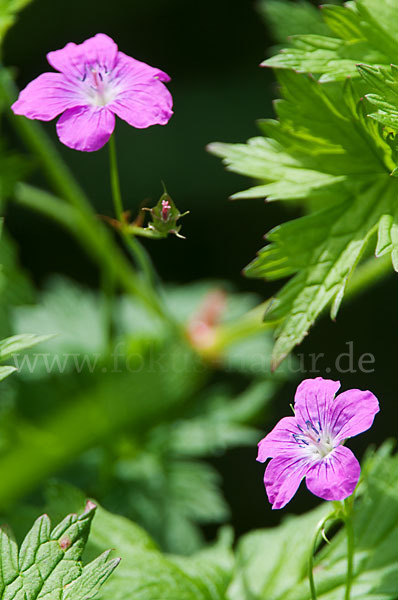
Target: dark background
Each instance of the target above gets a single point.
(211, 50)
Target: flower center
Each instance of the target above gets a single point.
(98, 85)
(314, 439)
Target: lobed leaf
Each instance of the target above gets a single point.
(146, 574)
(359, 32)
(383, 93)
(48, 565)
(323, 148)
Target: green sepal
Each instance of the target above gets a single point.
(165, 215)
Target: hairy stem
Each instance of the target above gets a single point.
(350, 555)
(137, 251)
(314, 545)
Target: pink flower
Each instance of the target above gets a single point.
(95, 82)
(310, 444)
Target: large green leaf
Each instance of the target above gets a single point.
(359, 32)
(272, 563)
(48, 565)
(146, 574)
(323, 148)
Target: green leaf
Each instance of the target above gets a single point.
(146, 574)
(91, 409)
(282, 573)
(388, 238)
(322, 249)
(15, 287)
(13, 346)
(8, 13)
(6, 371)
(288, 18)
(48, 565)
(270, 562)
(12, 168)
(383, 88)
(76, 331)
(358, 33)
(18, 343)
(323, 148)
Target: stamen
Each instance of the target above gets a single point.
(300, 440)
(310, 426)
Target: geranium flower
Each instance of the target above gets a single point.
(95, 82)
(310, 444)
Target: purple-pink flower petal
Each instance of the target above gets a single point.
(282, 478)
(310, 443)
(280, 440)
(46, 97)
(96, 82)
(313, 399)
(335, 476)
(73, 59)
(144, 105)
(353, 412)
(85, 128)
(129, 68)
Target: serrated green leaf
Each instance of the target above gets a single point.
(360, 36)
(15, 344)
(283, 574)
(323, 148)
(19, 343)
(383, 93)
(49, 564)
(323, 249)
(387, 241)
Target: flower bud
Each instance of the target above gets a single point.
(164, 216)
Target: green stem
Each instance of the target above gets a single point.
(313, 549)
(115, 181)
(137, 251)
(94, 238)
(142, 258)
(148, 233)
(35, 138)
(350, 556)
(108, 289)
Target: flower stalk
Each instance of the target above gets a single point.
(133, 246)
(350, 546)
(342, 512)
